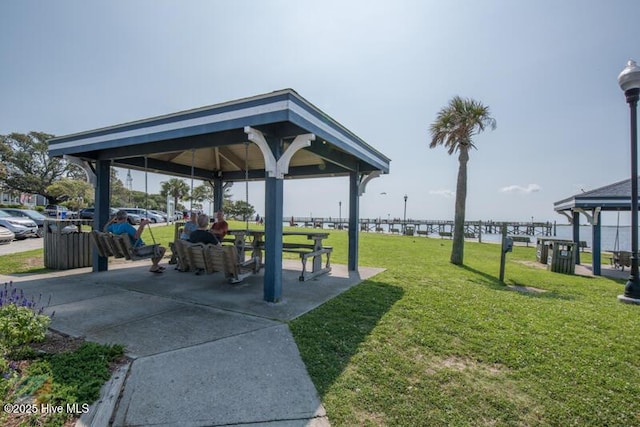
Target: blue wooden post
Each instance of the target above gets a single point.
(101, 213)
(218, 194)
(273, 240)
(595, 244)
(354, 214)
(576, 233)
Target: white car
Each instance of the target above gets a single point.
(6, 236)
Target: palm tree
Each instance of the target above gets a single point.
(176, 188)
(454, 128)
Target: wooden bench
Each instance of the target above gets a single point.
(444, 234)
(582, 245)
(119, 246)
(521, 239)
(199, 258)
(422, 232)
(395, 230)
(306, 251)
(620, 259)
(469, 235)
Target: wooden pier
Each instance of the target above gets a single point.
(472, 229)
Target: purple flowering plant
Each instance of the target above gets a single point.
(21, 319)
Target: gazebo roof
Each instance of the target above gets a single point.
(616, 196)
(212, 140)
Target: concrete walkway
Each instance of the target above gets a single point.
(21, 245)
(205, 353)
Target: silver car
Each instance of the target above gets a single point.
(21, 227)
(143, 214)
(35, 216)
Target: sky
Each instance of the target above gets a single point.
(547, 69)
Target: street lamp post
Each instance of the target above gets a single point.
(340, 214)
(404, 223)
(629, 81)
(129, 184)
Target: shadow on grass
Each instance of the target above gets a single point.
(330, 335)
(494, 283)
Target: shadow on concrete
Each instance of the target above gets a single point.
(330, 335)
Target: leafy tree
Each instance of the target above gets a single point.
(80, 193)
(28, 168)
(120, 195)
(240, 209)
(454, 127)
(176, 188)
(202, 193)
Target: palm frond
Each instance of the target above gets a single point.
(458, 122)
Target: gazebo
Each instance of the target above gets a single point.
(612, 197)
(270, 137)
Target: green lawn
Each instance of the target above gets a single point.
(429, 343)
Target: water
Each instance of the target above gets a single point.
(607, 236)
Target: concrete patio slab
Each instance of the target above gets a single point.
(253, 378)
(183, 327)
(205, 352)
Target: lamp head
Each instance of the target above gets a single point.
(629, 78)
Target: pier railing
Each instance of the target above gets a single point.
(426, 226)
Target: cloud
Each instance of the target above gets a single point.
(531, 188)
(443, 193)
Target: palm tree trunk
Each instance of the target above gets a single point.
(457, 251)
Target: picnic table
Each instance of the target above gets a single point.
(253, 240)
(244, 240)
(313, 250)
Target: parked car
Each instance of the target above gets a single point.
(163, 215)
(35, 216)
(20, 226)
(144, 214)
(59, 211)
(88, 213)
(133, 219)
(6, 236)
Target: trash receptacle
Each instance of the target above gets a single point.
(63, 215)
(542, 251)
(67, 244)
(409, 231)
(542, 248)
(561, 257)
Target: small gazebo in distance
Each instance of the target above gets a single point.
(612, 197)
(270, 137)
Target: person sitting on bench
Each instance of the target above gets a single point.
(189, 227)
(202, 234)
(220, 228)
(119, 225)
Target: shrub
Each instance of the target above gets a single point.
(21, 321)
(19, 326)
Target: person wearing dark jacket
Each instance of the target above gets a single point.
(202, 234)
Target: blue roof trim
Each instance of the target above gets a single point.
(173, 118)
(328, 120)
(180, 132)
(337, 138)
(280, 106)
